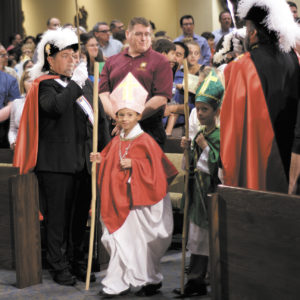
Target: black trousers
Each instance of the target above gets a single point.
(80, 212)
(198, 267)
(64, 202)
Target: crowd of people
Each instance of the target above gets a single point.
(244, 130)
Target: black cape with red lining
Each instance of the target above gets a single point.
(259, 117)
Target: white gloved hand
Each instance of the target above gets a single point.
(80, 74)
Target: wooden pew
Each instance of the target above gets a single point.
(20, 247)
(254, 245)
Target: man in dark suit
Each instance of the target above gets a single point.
(65, 117)
(262, 101)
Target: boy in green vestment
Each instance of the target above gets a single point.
(203, 179)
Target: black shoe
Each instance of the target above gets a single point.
(104, 295)
(64, 277)
(79, 271)
(192, 288)
(148, 290)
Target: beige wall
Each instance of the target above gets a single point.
(298, 4)
(201, 10)
(164, 13)
(161, 12)
(37, 12)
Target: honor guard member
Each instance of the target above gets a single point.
(55, 139)
(259, 111)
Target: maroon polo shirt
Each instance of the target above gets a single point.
(150, 68)
(153, 71)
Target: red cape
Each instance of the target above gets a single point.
(25, 154)
(151, 171)
(247, 135)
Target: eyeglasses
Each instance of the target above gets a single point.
(187, 24)
(104, 31)
(140, 34)
(4, 55)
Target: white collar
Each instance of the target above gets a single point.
(135, 131)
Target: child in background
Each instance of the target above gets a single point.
(203, 179)
(136, 210)
(194, 68)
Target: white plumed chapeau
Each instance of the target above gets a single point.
(279, 19)
(238, 34)
(61, 38)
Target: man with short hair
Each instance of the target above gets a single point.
(259, 130)
(108, 45)
(168, 49)
(4, 63)
(294, 10)
(116, 26)
(53, 23)
(226, 22)
(182, 51)
(150, 68)
(187, 26)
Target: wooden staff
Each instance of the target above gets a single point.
(186, 183)
(94, 183)
(77, 17)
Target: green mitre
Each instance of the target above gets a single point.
(211, 90)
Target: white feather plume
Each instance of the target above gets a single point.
(220, 55)
(61, 38)
(239, 35)
(279, 20)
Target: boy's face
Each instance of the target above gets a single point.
(171, 56)
(127, 119)
(194, 55)
(206, 114)
(211, 43)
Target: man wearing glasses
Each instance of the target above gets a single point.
(108, 45)
(150, 68)
(187, 26)
(4, 63)
(116, 26)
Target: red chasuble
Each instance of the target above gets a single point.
(25, 154)
(247, 138)
(149, 177)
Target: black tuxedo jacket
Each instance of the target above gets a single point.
(65, 133)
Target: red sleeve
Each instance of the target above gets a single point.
(150, 174)
(148, 185)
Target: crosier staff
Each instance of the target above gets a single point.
(186, 183)
(77, 17)
(94, 191)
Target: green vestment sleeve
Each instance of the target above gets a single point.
(201, 183)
